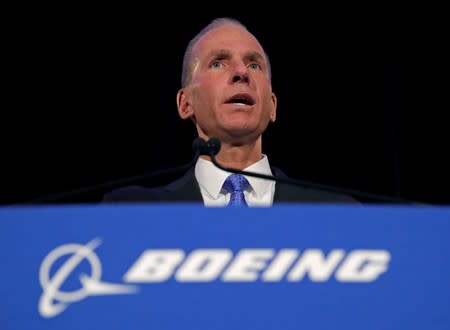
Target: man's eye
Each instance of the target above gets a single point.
(254, 66)
(216, 64)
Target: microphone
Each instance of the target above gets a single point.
(212, 148)
(199, 147)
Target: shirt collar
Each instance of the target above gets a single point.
(211, 178)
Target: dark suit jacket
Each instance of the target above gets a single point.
(186, 189)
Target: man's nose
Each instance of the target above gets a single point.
(240, 74)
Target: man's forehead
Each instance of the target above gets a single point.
(227, 38)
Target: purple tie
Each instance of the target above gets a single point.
(236, 184)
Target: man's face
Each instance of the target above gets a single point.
(230, 96)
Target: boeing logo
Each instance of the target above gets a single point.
(89, 285)
(204, 265)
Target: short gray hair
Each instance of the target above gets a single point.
(186, 73)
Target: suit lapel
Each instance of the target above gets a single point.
(185, 189)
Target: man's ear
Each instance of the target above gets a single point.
(185, 109)
(273, 112)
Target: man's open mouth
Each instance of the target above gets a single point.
(241, 98)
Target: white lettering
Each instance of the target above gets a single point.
(246, 265)
(279, 266)
(204, 265)
(363, 266)
(316, 265)
(154, 266)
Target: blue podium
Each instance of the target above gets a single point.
(180, 266)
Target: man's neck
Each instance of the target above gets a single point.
(238, 157)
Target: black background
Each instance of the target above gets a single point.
(90, 97)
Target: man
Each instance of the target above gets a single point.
(227, 93)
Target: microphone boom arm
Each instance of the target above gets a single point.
(214, 149)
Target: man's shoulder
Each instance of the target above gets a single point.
(293, 190)
(134, 193)
(183, 188)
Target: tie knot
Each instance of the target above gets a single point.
(236, 182)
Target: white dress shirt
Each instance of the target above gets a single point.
(211, 179)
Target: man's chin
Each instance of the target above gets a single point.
(239, 136)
